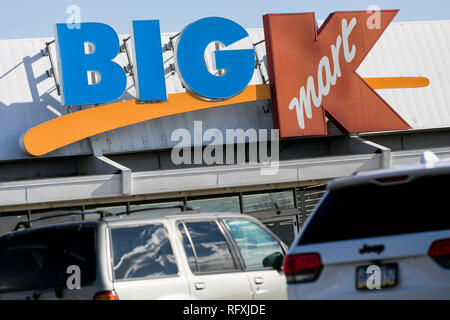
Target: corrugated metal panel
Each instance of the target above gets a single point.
(415, 49)
(406, 49)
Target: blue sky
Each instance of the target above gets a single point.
(35, 18)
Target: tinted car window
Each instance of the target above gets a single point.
(38, 259)
(142, 252)
(210, 247)
(257, 247)
(373, 210)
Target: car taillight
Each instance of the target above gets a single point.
(106, 295)
(305, 267)
(440, 252)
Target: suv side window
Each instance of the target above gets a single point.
(142, 252)
(205, 243)
(258, 248)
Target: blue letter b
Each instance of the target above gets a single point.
(74, 64)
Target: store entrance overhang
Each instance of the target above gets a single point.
(45, 192)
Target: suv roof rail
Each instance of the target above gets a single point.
(103, 214)
(179, 206)
(429, 158)
(27, 223)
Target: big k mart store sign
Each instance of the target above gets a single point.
(92, 119)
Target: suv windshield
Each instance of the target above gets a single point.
(38, 259)
(372, 210)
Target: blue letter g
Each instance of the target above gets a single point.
(239, 64)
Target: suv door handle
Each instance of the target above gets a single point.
(259, 280)
(199, 285)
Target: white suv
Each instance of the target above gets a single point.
(378, 235)
(174, 256)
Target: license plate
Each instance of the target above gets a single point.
(387, 277)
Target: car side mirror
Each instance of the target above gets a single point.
(274, 260)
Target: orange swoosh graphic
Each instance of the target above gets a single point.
(61, 131)
(73, 127)
(397, 83)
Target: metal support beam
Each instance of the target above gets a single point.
(99, 164)
(386, 153)
(124, 171)
(169, 45)
(129, 67)
(258, 63)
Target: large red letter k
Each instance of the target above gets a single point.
(312, 73)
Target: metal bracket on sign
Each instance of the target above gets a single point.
(51, 72)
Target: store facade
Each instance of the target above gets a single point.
(57, 155)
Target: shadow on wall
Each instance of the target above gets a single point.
(18, 117)
(46, 98)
